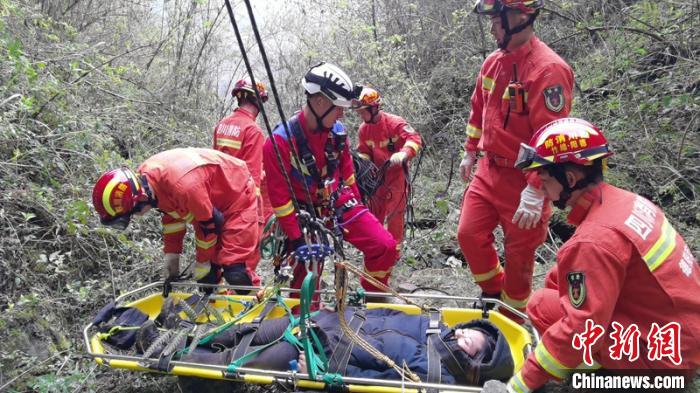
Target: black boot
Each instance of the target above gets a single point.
(236, 274)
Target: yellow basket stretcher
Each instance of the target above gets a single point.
(149, 299)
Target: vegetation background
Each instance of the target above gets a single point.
(89, 85)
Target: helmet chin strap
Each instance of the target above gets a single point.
(147, 189)
(374, 112)
(517, 29)
(558, 172)
(319, 119)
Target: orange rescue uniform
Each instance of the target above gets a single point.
(493, 196)
(240, 136)
(378, 142)
(625, 263)
(188, 184)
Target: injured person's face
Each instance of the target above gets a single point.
(471, 341)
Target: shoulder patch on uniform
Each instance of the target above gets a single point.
(554, 98)
(577, 288)
(408, 129)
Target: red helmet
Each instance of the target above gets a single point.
(244, 86)
(493, 7)
(368, 97)
(564, 140)
(116, 195)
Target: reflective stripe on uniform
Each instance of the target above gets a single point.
(517, 384)
(549, 363)
(173, 228)
(364, 156)
(412, 145)
(378, 273)
(205, 245)
(188, 218)
(488, 275)
(284, 210)
(473, 132)
(487, 83)
(515, 303)
(228, 143)
(662, 248)
(350, 180)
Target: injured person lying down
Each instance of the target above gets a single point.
(470, 353)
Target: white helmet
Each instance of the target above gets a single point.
(332, 82)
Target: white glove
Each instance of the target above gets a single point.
(530, 210)
(201, 270)
(495, 386)
(465, 167)
(398, 158)
(171, 266)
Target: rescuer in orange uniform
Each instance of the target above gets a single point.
(521, 86)
(624, 264)
(383, 138)
(240, 136)
(209, 189)
(327, 173)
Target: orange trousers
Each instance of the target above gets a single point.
(388, 204)
(490, 200)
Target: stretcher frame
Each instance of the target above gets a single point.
(149, 300)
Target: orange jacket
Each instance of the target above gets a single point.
(240, 136)
(374, 142)
(632, 267)
(280, 197)
(548, 82)
(188, 184)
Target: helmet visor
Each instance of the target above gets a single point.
(526, 156)
(119, 223)
(357, 104)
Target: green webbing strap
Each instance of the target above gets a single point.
(268, 243)
(333, 379)
(114, 330)
(307, 292)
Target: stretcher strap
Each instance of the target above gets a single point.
(244, 346)
(269, 295)
(434, 361)
(340, 355)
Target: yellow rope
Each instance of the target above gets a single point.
(341, 288)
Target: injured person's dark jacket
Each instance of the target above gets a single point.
(400, 336)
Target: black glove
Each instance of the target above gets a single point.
(236, 274)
